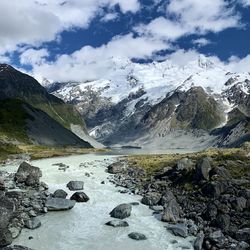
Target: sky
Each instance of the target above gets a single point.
(74, 40)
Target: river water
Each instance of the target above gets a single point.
(83, 227)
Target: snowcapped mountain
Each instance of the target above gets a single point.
(140, 103)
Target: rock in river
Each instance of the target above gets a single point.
(117, 223)
(122, 211)
(58, 204)
(79, 197)
(32, 223)
(75, 185)
(137, 236)
(151, 198)
(59, 193)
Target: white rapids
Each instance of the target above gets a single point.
(83, 227)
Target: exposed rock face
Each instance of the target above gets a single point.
(59, 204)
(122, 211)
(137, 236)
(28, 174)
(79, 197)
(75, 185)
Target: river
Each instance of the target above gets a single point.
(83, 227)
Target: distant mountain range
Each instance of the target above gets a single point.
(30, 115)
(162, 104)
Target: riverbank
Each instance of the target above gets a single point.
(9, 152)
(203, 194)
(76, 228)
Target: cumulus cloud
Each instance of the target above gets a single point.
(36, 21)
(200, 42)
(33, 57)
(245, 3)
(91, 63)
(109, 17)
(192, 17)
(237, 64)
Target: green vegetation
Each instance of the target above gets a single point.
(8, 149)
(12, 120)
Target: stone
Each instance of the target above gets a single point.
(222, 221)
(220, 172)
(166, 198)
(5, 237)
(7, 208)
(211, 212)
(239, 204)
(151, 199)
(184, 164)
(117, 223)
(28, 174)
(60, 193)
(16, 247)
(243, 235)
(59, 204)
(179, 230)
(157, 208)
(79, 197)
(202, 170)
(171, 212)
(75, 185)
(216, 236)
(115, 168)
(137, 236)
(214, 189)
(135, 203)
(2, 184)
(122, 211)
(32, 223)
(199, 241)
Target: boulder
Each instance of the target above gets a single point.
(211, 212)
(28, 174)
(79, 197)
(116, 168)
(202, 170)
(222, 221)
(243, 235)
(137, 236)
(7, 208)
(59, 204)
(60, 193)
(5, 237)
(184, 164)
(122, 211)
(166, 198)
(199, 241)
(171, 212)
(151, 199)
(117, 223)
(220, 172)
(2, 184)
(32, 223)
(75, 185)
(239, 204)
(179, 230)
(215, 188)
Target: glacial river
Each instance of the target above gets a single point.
(83, 227)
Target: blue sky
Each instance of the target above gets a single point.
(53, 38)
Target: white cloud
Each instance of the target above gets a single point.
(33, 57)
(239, 65)
(200, 42)
(109, 17)
(245, 2)
(36, 21)
(192, 17)
(91, 63)
(4, 59)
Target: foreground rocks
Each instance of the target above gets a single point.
(75, 185)
(196, 197)
(22, 198)
(137, 236)
(79, 197)
(117, 223)
(122, 211)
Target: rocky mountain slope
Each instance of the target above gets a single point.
(163, 104)
(29, 114)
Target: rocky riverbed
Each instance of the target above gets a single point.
(204, 197)
(97, 216)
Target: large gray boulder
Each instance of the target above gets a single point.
(7, 208)
(59, 204)
(28, 174)
(116, 168)
(75, 185)
(59, 193)
(203, 168)
(32, 223)
(151, 199)
(79, 197)
(179, 230)
(184, 164)
(199, 241)
(122, 211)
(5, 237)
(137, 236)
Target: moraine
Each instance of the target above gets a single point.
(84, 227)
